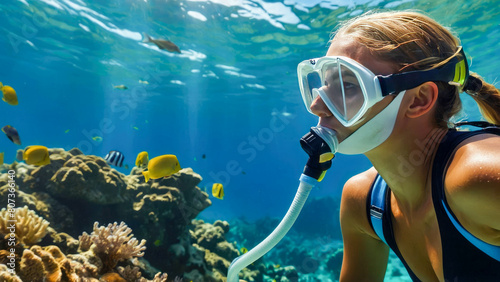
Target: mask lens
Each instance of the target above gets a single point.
(313, 81)
(342, 88)
(352, 93)
(338, 84)
(333, 89)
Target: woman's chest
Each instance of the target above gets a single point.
(419, 242)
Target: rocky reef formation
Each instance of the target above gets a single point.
(75, 191)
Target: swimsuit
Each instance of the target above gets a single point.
(465, 257)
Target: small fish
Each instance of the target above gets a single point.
(36, 155)
(142, 159)
(161, 166)
(203, 156)
(157, 243)
(122, 87)
(1, 158)
(67, 130)
(135, 127)
(243, 250)
(97, 138)
(218, 191)
(162, 44)
(143, 81)
(12, 134)
(115, 158)
(9, 95)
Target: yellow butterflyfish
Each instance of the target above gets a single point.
(36, 155)
(9, 95)
(142, 159)
(218, 191)
(1, 158)
(161, 166)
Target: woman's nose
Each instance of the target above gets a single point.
(319, 108)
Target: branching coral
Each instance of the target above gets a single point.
(114, 243)
(26, 224)
(130, 273)
(85, 242)
(160, 277)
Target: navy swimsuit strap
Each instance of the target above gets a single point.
(447, 149)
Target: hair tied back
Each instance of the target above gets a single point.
(473, 85)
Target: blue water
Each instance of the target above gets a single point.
(231, 95)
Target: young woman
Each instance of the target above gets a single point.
(387, 87)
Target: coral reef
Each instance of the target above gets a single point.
(75, 176)
(161, 213)
(172, 202)
(109, 245)
(28, 227)
(210, 240)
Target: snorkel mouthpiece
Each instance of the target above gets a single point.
(320, 143)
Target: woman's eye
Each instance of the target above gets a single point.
(349, 86)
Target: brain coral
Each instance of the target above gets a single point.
(73, 175)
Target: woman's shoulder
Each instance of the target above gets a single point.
(353, 210)
(359, 185)
(476, 162)
(472, 186)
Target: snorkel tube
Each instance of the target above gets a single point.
(320, 143)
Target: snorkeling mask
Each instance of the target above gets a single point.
(349, 89)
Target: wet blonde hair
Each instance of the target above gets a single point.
(413, 41)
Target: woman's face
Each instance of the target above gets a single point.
(345, 46)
